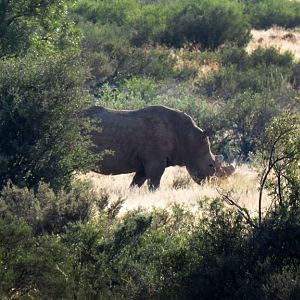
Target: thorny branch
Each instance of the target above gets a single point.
(243, 211)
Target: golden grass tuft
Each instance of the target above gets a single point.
(278, 37)
(177, 187)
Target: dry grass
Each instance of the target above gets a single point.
(280, 38)
(177, 187)
(187, 58)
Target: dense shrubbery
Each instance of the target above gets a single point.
(40, 139)
(160, 254)
(206, 23)
(267, 13)
(39, 25)
(175, 23)
(251, 89)
(264, 69)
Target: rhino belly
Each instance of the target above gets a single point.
(115, 164)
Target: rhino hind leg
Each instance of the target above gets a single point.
(138, 179)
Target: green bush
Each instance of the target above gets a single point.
(106, 50)
(271, 56)
(207, 23)
(296, 76)
(163, 254)
(267, 13)
(69, 243)
(49, 212)
(148, 25)
(40, 133)
(248, 115)
(42, 26)
(106, 11)
(262, 70)
(31, 267)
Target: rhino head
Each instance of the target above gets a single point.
(203, 163)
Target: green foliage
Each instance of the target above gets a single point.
(106, 50)
(245, 117)
(252, 113)
(207, 23)
(59, 243)
(111, 57)
(30, 267)
(42, 25)
(262, 70)
(251, 89)
(107, 11)
(40, 134)
(267, 13)
(148, 25)
(163, 254)
(49, 212)
(281, 153)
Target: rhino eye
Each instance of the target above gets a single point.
(211, 165)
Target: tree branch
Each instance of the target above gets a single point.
(243, 211)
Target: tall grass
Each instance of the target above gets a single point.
(177, 187)
(278, 37)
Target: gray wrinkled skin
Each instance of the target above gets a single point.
(148, 140)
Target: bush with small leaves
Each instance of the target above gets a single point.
(40, 134)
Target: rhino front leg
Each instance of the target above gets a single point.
(154, 171)
(138, 179)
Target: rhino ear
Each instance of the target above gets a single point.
(219, 159)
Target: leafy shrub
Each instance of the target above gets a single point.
(106, 49)
(207, 23)
(256, 87)
(283, 284)
(162, 254)
(111, 57)
(263, 69)
(148, 25)
(31, 267)
(47, 212)
(44, 26)
(252, 113)
(237, 56)
(267, 13)
(158, 64)
(40, 134)
(107, 12)
(296, 76)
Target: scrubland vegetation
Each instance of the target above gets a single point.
(62, 237)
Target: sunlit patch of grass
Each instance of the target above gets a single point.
(280, 38)
(177, 187)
